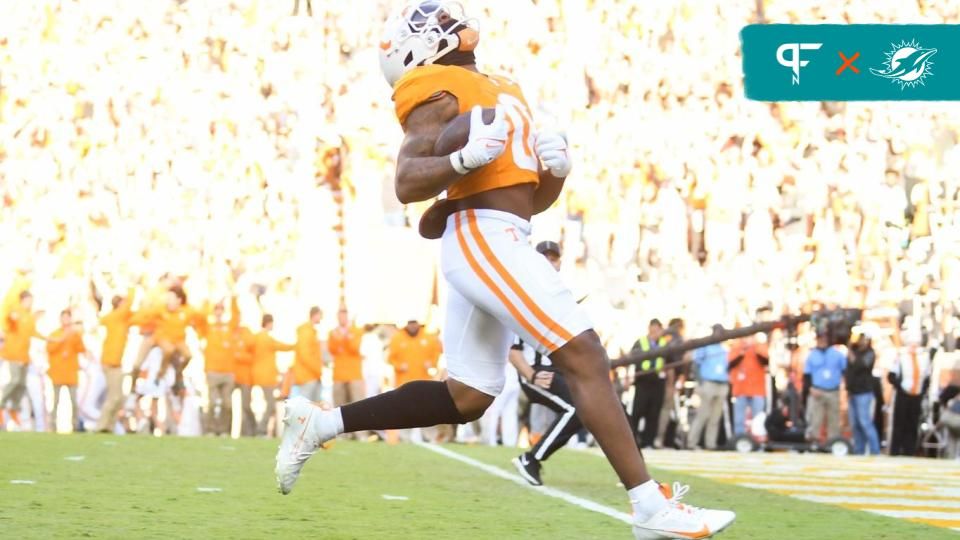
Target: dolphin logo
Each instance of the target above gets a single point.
(907, 64)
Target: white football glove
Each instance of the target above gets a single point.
(485, 143)
(552, 150)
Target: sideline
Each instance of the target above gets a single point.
(543, 490)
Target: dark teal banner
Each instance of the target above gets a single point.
(855, 62)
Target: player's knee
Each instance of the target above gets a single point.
(473, 406)
(470, 402)
(583, 356)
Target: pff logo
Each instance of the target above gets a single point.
(907, 64)
(794, 62)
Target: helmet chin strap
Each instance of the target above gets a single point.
(457, 58)
(463, 55)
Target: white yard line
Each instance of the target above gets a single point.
(871, 501)
(908, 514)
(810, 479)
(543, 490)
(803, 470)
(853, 464)
(855, 490)
(920, 490)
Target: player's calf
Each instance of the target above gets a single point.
(416, 404)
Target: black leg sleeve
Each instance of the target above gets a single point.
(415, 404)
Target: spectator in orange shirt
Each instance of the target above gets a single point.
(308, 362)
(19, 327)
(154, 299)
(242, 343)
(117, 323)
(344, 346)
(170, 323)
(265, 374)
(413, 353)
(218, 363)
(63, 350)
(748, 380)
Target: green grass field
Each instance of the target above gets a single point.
(138, 487)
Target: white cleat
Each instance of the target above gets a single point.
(299, 441)
(680, 520)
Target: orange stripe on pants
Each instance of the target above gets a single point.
(485, 278)
(514, 286)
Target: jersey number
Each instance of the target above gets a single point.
(522, 138)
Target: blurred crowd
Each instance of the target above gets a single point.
(133, 370)
(860, 386)
(187, 139)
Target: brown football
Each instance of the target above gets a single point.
(455, 135)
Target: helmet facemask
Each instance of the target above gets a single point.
(431, 32)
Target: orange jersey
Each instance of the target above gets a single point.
(117, 324)
(265, 358)
(307, 362)
(413, 356)
(170, 326)
(242, 346)
(19, 326)
(217, 357)
(345, 350)
(64, 350)
(217, 336)
(154, 299)
(518, 164)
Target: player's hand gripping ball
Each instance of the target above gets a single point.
(474, 139)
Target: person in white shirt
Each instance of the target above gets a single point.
(371, 349)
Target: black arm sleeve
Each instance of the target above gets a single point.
(736, 361)
(764, 359)
(807, 383)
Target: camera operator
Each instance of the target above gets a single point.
(822, 373)
(910, 378)
(859, 381)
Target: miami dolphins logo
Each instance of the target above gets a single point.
(907, 64)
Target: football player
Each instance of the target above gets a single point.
(499, 286)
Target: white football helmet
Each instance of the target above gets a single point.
(422, 33)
